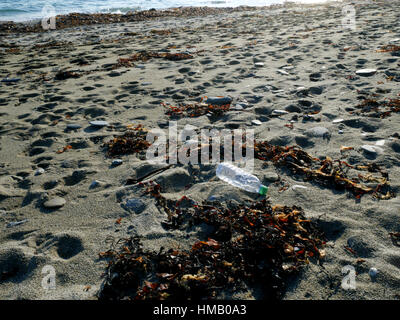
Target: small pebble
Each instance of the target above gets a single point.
(282, 72)
(117, 162)
(373, 272)
(256, 122)
(94, 184)
(279, 112)
(337, 120)
(366, 72)
(39, 171)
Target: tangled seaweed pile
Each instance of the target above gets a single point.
(389, 48)
(196, 110)
(132, 141)
(379, 108)
(326, 172)
(147, 55)
(251, 246)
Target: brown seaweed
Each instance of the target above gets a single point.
(253, 245)
(132, 141)
(326, 172)
(195, 110)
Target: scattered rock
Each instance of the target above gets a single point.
(320, 132)
(95, 184)
(136, 205)
(372, 150)
(256, 122)
(373, 272)
(54, 203)
(218, 101)
(39, 171)
(117, 162)
(270, 177)
(282, 72)
(279, 112)
(99, 123)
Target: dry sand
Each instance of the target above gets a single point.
(308, 44)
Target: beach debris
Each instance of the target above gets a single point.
(68, 147)
(366, 72)
(132, 181)
(54, 203)
(254, 244)
(240, 178)
(345, 148)
(327, 172)
(132, 141)
(16, 223)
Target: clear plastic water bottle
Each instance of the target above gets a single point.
(240, 178)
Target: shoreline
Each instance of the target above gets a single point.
(75, 19)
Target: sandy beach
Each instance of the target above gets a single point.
(293, 75)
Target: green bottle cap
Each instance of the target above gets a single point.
(263, 190)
